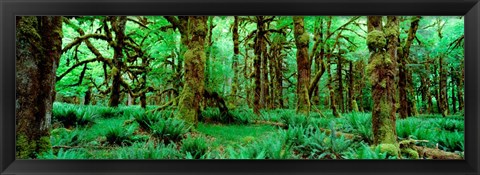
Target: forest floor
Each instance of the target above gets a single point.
(127, 132)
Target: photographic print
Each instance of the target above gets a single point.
(240, 87)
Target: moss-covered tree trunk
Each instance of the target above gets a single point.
(277, 60)
(411, 94)
(328, 59)
(236, 53)
(459, 83)
(350, 86)
(38, 50)
(265, 80)
(360, 83)
(443, 88)
(404, 82)
(452, 85)
(341, 100)
(303, 65)
(381, 70)
(193, 89)
(246, 75)
(118, 26)
(257, 62)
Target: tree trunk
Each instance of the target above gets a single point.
(459, 82)
(443, 88)
(246, 73)
(38, 50)
(340, 85)
(452, 84)
(236, 52)
(88, 96)
(257, 62)
(264, 77)
(278, 61)
(411, 94)
(360, 70)
(403, 72)
(193, 89)
(118, 25)
(382, 75)
(303, 66)
(350, 86)
(333, 105)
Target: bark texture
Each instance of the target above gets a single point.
(193, 89)
(303, 66)
(382, 73)
(38, 49)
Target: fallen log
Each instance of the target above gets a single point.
(434, 153)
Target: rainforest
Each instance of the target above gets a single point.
(240, 87)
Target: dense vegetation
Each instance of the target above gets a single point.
(245, 87)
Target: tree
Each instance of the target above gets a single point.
(38, 49)
(118, 26)
(193, 89)
(381, 68)
(236, 52)
(303, 65)
(404, 73)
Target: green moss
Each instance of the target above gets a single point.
(114, 71)
(44, 144)
(399, 51)
(24, 147)
(386, 129)
(376, 61)
(26, 27)
(390, 149)
(392, 32)
(354, 105)
(387, 59)
(411, 153)
(304, 38)
(383, 83)
(376, 39)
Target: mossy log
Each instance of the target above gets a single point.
(433, 153)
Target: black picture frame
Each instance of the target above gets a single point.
(11, 8)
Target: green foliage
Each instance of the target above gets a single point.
(366, 152)
(362, 124)
(195, 146)
(149, 151)
(243, 116)
(272, 147)
(170, 129)
(119, 135)
(451, 141)
(231, 134)
(318, 145)
(85, 117)
(66, 137)
(289, 118)
(145, 119)
(450, 124)
(69, 115)
(108, 112)
(65, 154)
